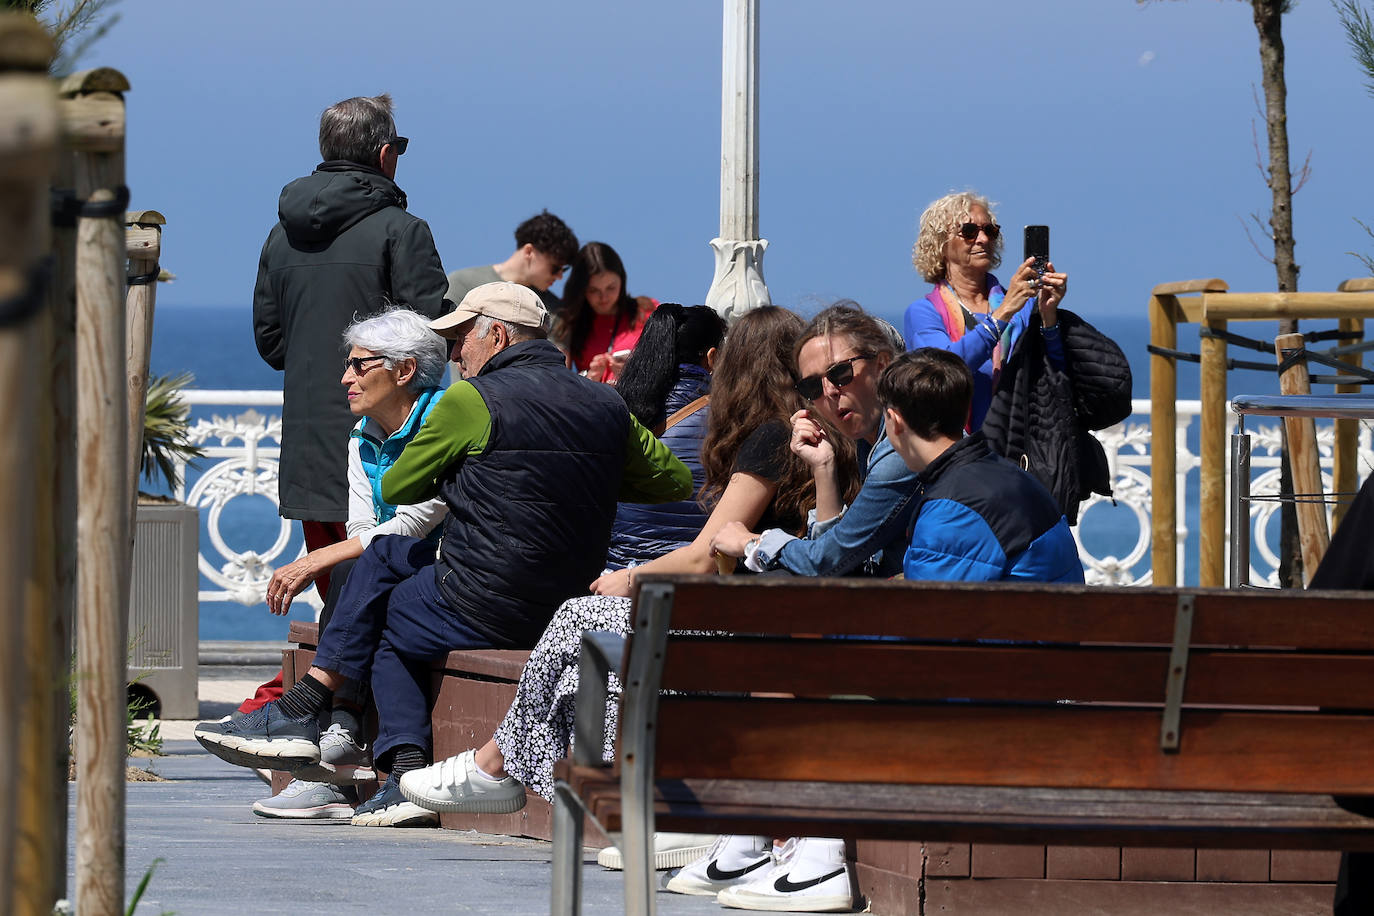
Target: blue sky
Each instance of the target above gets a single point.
(1127, 128)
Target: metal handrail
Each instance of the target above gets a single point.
(1317, 406)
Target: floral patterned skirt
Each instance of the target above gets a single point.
(538, 728)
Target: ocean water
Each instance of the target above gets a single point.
(215, 344)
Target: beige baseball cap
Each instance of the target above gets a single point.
(503, 301)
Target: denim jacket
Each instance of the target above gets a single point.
(869, 537)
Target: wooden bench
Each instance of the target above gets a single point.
(1136, 717)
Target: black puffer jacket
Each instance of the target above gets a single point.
(343, 245)
(1040, 416)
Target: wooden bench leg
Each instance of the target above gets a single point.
(567, 854)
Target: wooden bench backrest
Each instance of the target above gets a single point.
(1013, 685)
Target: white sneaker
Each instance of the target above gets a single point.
(456, 785)
(811, 877)
(305, 800)
(343, 760)
(671, 850)
(730, 860)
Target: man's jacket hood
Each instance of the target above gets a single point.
(336, 195)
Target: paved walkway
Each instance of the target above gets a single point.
(218, 857)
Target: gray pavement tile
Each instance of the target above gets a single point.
(219, 858)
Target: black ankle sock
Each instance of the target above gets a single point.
(349, 719)
(305, 699)
(407, 757)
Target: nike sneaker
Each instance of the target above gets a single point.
(730, 860)
(811, 877)
(671, 850)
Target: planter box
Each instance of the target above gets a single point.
(164, 607)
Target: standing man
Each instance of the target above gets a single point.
(531, 460)
(343, 248)
(544, 247)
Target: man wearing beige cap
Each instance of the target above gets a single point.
(531, 459)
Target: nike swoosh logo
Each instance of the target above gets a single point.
(783, 886)
(715, 874)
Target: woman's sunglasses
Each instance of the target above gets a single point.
(970, 231)
(359, 364)
(839, 375)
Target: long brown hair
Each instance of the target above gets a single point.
(753, 384)
(573, 324)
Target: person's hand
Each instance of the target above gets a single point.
(1023, 287)
(809, 442)
(617, 362)
(731, 540)
(596, 369)
(288, 582)
(615, 583)
(1053, 288)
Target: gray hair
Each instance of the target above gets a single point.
(356, 129)
(399, 333)
(514, 331)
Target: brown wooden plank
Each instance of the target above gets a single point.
(1027, 897)
(1249, 865)
(304, 633)
(1000, 860)
(1145, 864)
(1111, 674)
(1052, 613)
(886, 891)
(1096, 863)
(502, 664)
(1068, 746)
(950, 860)
(1102, 817)
(1303, 865)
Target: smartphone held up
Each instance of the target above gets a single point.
(1038, 247)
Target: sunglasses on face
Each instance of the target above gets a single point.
(970, 231)
(359, 364)
(839, 375)
(399, 144)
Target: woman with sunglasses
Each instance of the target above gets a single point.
(969, 312)
(392, 378)
(600, 322)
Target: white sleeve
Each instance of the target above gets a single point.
(361, 516)
(411, 521)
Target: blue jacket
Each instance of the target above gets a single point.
(379, 454)
(643, 532)
(983, 519)
(868, 538)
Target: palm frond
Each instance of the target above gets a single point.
(166, 421)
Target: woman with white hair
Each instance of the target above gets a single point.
(393, 372)
(969, 312)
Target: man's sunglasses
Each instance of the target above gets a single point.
(839, 375)
(399, 144)
(359, 364)
(970, 231)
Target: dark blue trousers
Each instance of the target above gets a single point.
(390, 622)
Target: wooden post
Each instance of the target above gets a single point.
(1212, 451)
(1345, 455)
(1303, 457)
(1163, 442)
(29, 136)
(94, 112)
(143, 243)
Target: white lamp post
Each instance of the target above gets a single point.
(738, 283)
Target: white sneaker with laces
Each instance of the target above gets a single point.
(811, 877)
(730, 860)
(456, 785)
(343, 760)
(671, 850)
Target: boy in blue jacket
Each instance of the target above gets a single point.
(980, 518)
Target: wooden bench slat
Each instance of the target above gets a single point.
(1030, 673)
(931, 610)
(1062, 746)
(983, 814)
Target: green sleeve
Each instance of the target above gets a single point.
(653, 474)
(458, 426)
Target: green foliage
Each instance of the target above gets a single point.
(166, 421)
(145, 736)
(143, 886)
(1359, 34)
(74, 25)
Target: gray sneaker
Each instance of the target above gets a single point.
(343, 761)
(305, 800)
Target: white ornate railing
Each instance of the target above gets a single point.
(242, 450)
